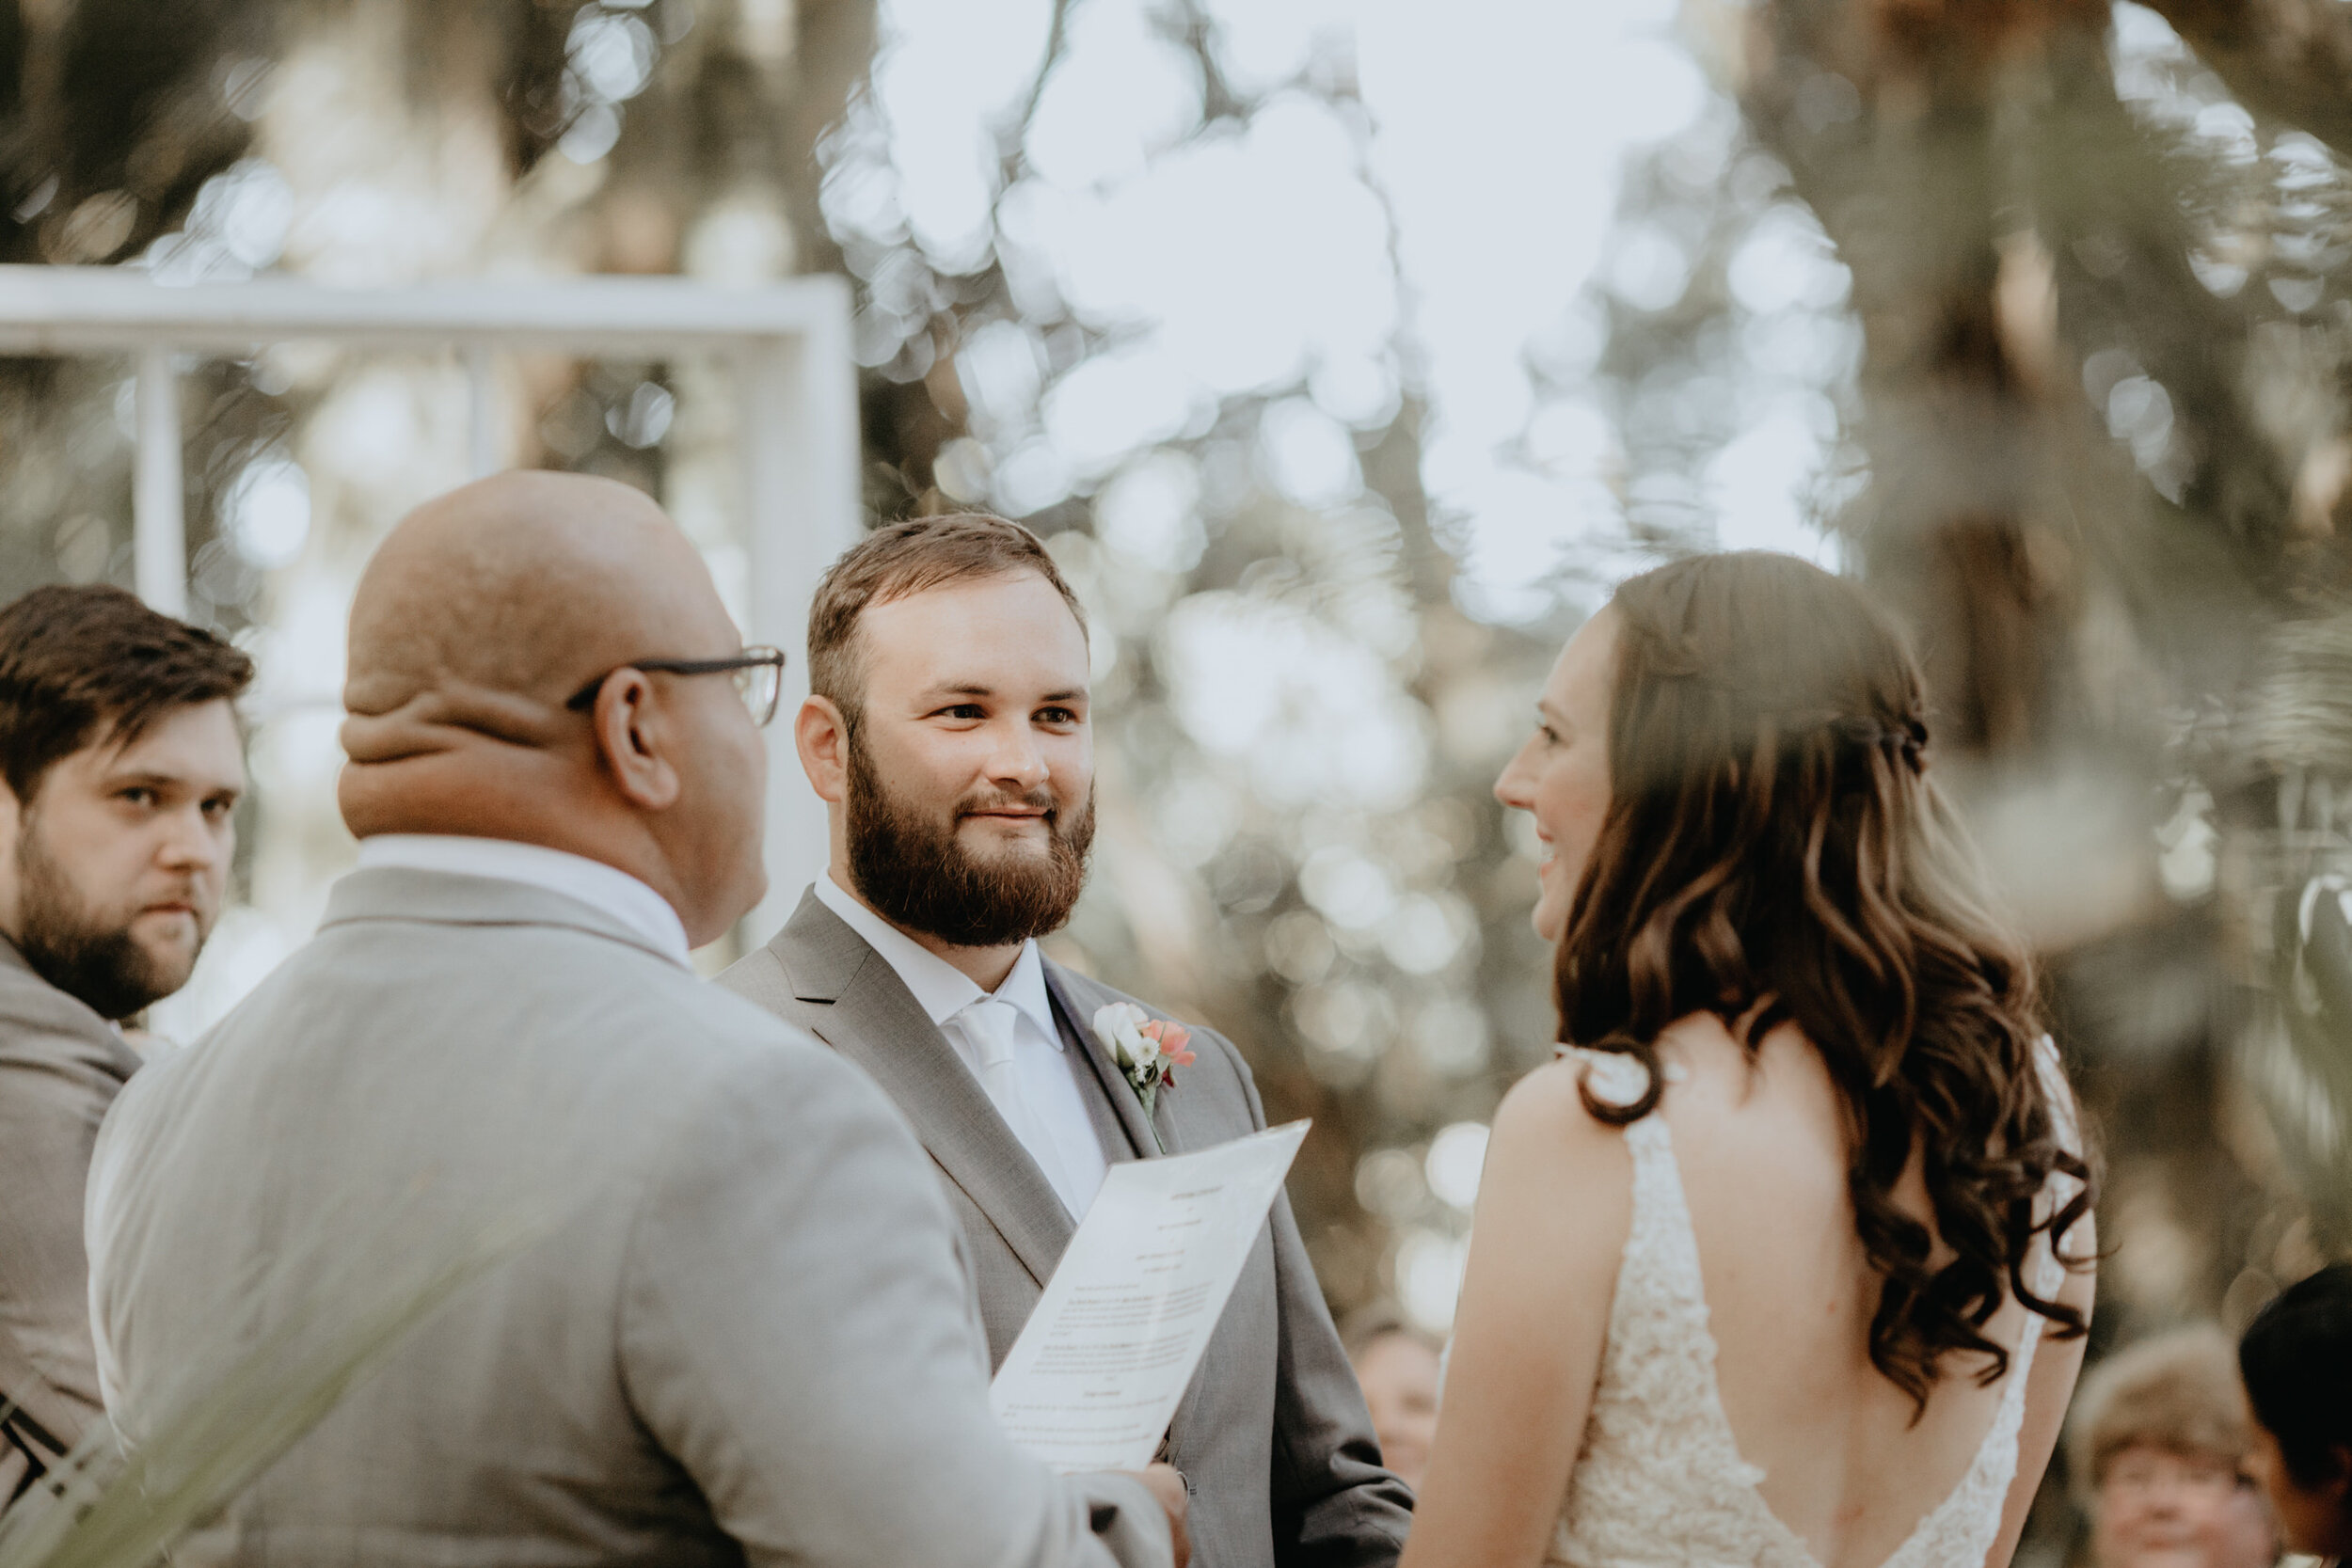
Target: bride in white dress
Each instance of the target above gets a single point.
(1787, 1262)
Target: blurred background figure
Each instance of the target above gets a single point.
(122, 765)
(1398, 1366)
(2296, 1360)
(2161, 1433)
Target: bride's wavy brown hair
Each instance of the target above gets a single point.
(1775, 852)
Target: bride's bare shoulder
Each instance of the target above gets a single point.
(1556, 1192)
(1546, 1111)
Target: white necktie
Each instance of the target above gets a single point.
(989, 1025)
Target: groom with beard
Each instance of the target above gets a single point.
(947, 731)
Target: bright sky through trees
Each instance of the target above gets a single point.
(1238, 261)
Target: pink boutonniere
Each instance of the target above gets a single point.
(1148, 1050)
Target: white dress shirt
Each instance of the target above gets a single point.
(1038, 1094)
(607, 889)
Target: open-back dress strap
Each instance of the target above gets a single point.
(1660, 1478)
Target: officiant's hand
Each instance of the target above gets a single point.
(1167, 1485)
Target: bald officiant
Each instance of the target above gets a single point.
(742, 1336)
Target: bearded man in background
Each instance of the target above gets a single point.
(123, 764)
(948, 733)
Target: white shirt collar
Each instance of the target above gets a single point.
(942, 990)
(606, 889)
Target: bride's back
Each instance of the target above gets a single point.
(1735, 1302)
(1850, 1463)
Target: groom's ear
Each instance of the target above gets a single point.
(822, 736)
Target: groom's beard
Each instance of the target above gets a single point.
(917, 874)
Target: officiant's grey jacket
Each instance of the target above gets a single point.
(742, 1337)
(1272, 1436)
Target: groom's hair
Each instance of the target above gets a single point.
(904, 558)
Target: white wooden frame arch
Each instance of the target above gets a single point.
(797, 420)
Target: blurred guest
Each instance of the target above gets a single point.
(742, 1336)
(2296, 1361)
(2162, 1438)
(1397, 1367)
(122, 764)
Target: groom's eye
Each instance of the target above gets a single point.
(1056, 716)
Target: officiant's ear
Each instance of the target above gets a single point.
(637, 738)
(822, 734)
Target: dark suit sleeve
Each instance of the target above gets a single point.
(1334, 1506)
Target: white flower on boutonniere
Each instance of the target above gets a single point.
(1148, 1050)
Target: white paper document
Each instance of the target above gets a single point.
(1103, 1361)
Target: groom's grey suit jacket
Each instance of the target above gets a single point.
(1272, 1436)
(744, 1339)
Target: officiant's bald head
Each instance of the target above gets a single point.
(474, 626)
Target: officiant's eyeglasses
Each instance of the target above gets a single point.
(758, 678)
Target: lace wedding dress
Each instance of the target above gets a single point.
(1659, 1478)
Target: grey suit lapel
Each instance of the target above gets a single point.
(874, 1019)
(1078, 998)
